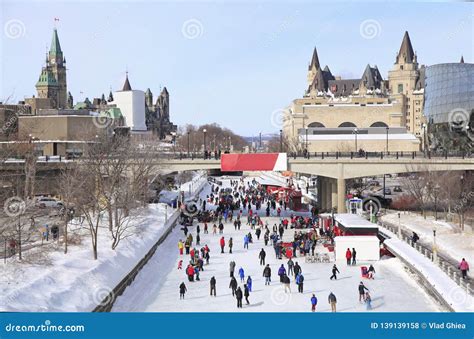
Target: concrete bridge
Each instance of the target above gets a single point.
(333, 170)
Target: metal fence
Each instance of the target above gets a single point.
(448, 265)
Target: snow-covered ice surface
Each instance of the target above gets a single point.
(156, 286)
(449, 240)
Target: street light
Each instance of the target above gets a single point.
(435, 248)
(423, 144)
(281, 141)
(436, 190)
(189, 132)
(399, 227)
(306, 130)
(387, 128)
(204, 131)
(173, 140)
(355, 133)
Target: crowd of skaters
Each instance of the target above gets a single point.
(250, 197)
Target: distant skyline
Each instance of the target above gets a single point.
(229, 63)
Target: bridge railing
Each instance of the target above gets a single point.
(333, 155)
(380, 155)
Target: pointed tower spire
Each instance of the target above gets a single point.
(314, 60)
(462, 59)
(55, 48)
(126, 85)
(406, 54)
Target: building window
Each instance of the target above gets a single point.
(400, 88)
(401, 66)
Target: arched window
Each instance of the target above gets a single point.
(379, 124)
(347, 124)
(316, 124)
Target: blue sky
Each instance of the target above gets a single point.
(244, 61)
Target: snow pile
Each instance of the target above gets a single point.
(448, 239)
(454, 295)
(74, 281)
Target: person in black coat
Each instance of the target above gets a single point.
(334, 271)
(182, 290)
(261, 256)
(297, 269)
(213, 286)
(267, 273)
(354, 256)
(233, 285)
(238, 296)
(362, 290)
(246, 293)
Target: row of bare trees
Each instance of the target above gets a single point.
(110, 181)
(450, 192)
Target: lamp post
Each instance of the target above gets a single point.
(306, 130)
(386, 129)
(435, 248)
(399, 227)
(423, 144)
(189, 132)
(204, 131)
(281, 141)
(173, 140)
(355, 134)
(436, 190)
(461, 221)
(260, 141)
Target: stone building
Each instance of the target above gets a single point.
(52, 84)
(384, 113)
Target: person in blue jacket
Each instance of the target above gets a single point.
(246, 241)
(299, 282)
(249, 283)
(241, 274)
(281, 272)
(314, 302)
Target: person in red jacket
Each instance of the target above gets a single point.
(190, 272)
(348, 256)
(222, 244)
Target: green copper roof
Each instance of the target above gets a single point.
(46, 78)
(112, 112)
(55, 48)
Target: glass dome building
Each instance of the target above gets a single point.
(449, 105)
(448, 87)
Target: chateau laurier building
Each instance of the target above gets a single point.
(367, 113)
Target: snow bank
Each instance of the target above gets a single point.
(74, 281)
(453, 294)
(448, 239)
